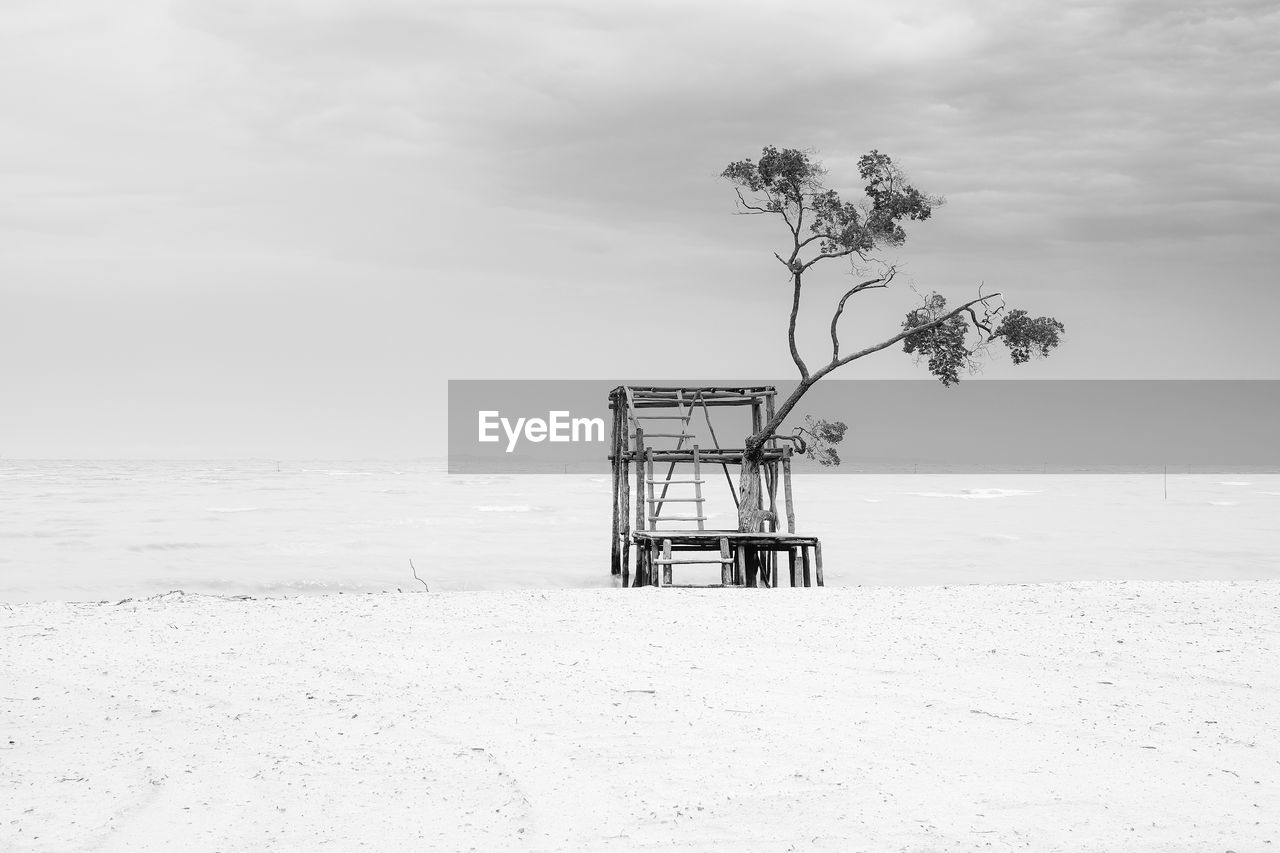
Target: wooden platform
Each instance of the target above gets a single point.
(746, 559)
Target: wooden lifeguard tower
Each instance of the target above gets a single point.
(659, 438)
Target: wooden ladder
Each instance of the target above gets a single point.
(655, 502)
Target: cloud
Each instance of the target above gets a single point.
(1078, 120)
(499, 169)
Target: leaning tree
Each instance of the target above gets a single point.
(823, 227)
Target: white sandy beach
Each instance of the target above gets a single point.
(1080, 716)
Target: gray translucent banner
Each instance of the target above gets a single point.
(1082, 426)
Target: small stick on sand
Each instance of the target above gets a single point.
(418, 579)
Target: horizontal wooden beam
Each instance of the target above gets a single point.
(701, 389)
(725, 457)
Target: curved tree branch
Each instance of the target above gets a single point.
(808, 380)
(882, 281)
(749, 209)
(818, 236)
(824, 255)
(923, 327)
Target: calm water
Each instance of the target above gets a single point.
(109, 529)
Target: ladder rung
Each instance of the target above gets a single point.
(663, 417)
(673, 561)
(668, 435)
(677, 480)
(677, 518)
(674, 500)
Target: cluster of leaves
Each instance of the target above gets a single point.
(791, 183)
(820, 438)
(943, 345)
(1027, 336)
(946, 346)
(783, 177)
(892, 199)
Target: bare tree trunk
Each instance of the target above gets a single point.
(750, 518)
(749, 495)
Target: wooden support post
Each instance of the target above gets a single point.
(638, 579)
(740, 566)
(615, 554)
(655, 577)
(817, 561)
(640, 508)
(726, 567)
(804, 563)
(793, 562)
(624, 507)
(757, 423)
(753, 564)
(771, 468)
(648, 478)
(786, 490)
(768, 494)
(666, 566)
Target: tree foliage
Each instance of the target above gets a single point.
(944, 345)
(818, 439)
(1027, 337)
(948, 347)
(791, 184)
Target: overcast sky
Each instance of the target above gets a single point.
(275, 228)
